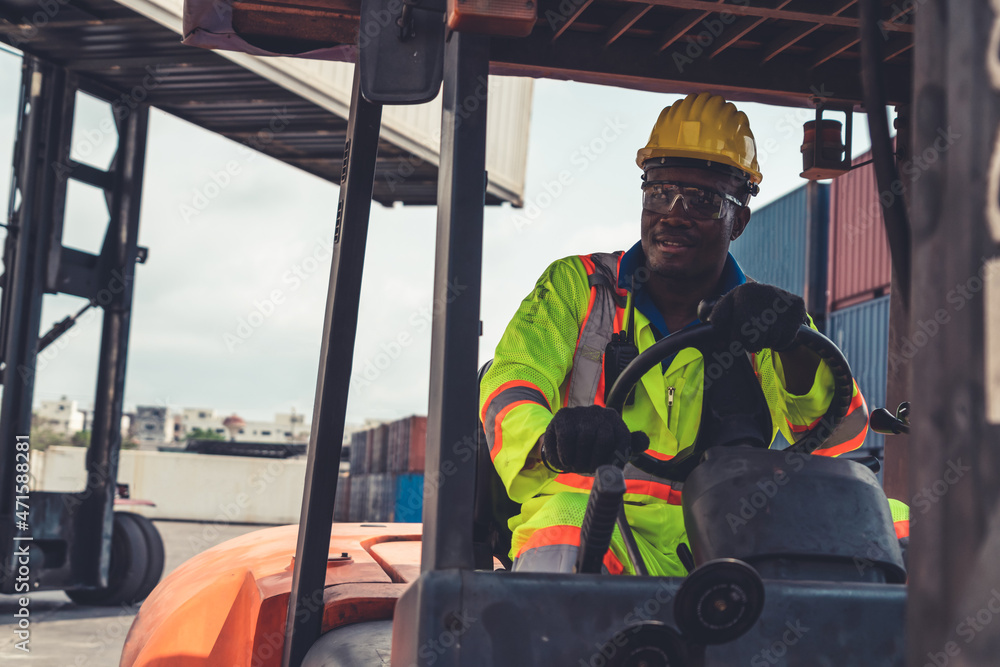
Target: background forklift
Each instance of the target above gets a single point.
(457, 614)
(78, 542)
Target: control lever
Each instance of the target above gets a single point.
(599, 520)
(685, 556)
(882, 421)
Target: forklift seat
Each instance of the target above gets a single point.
(491, 536)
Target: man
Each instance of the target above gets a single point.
(542, 399)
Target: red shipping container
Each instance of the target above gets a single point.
(859, 265)
(417, 444)
(380, 449)
(342, 502)
(369, 446)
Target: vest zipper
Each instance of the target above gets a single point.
(670, 403)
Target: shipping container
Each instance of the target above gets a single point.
(342, 504)
(381, 497)
(358, 506)
(379, 456)
(369, 446)
(785, 245)
(416, 444)
(392, 460)
(862, 334)
(359, 448)
(380, 445)
(859, 264)
(416, 129)
(409, 498)
(407, 444)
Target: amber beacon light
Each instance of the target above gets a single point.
(514, 18)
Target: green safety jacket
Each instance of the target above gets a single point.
(554, 344)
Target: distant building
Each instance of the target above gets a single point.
(294, 424)
(153, 424)
(286, 427)
(62, 416)
(205, 419)
(273, 432)
(127, 423)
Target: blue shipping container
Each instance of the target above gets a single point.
(785, 244)
(357, 507)
(862, 334)
(381, 488)
(409, 498)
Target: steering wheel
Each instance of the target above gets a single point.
(703, 337)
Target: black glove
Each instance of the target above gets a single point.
(759, 316)
(581, 439)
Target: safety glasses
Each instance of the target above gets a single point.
(662, 196)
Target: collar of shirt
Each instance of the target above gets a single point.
(732, 276)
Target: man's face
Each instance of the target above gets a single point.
(679, 245)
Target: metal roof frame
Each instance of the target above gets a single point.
(785, 52)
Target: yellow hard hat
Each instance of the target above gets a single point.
(703, 127)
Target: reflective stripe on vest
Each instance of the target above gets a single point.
(587, 372)
(586, 382)
(554, 549)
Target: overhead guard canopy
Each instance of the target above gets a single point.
(784, 52)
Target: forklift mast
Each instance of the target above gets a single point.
(70, 532)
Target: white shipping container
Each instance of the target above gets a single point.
(414, 128)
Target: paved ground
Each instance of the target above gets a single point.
(64, 634)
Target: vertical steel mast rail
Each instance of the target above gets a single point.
(42, 93)
(454, 389)
(954, 565)
(120, 253)
(303, 625)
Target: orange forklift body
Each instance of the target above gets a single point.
(227, 605)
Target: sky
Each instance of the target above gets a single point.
(228, 309)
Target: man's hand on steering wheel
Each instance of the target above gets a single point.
(707, 337)
(759, 316)
(583, 438)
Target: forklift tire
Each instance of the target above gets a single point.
(127, 571)
(155, 552)
(367, 643)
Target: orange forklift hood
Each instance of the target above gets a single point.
(227, 605)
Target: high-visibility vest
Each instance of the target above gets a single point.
(512, 399)
(606, 315)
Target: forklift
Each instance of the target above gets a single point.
(825, 588)
(71, 541)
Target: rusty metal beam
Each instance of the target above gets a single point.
(579, 56)
(895, 47)
(793, 35)
(580, 8)
(740, 28)
(626, 21)
(772, 13)
(836, 47)
(734, 33)
(679, 28)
